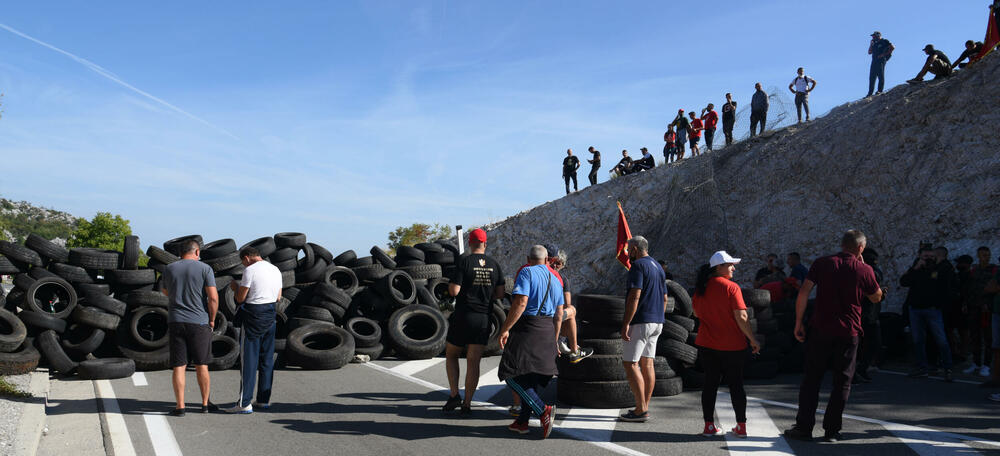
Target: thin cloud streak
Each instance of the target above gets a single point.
(111, 76)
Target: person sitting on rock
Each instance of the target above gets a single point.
(937, 63)
(624, 165)
(644, 163)
(972, 49)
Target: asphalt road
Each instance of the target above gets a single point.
(393, 407)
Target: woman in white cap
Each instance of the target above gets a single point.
(722, 338)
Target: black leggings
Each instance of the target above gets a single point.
(718, 364)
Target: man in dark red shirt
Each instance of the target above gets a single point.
(842, 283)
(711, 119)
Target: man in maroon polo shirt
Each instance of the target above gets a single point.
(842, 282)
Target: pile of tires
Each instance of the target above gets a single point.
(775, 346)
(599, 381)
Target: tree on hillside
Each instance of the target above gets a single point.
(417, 233)
(104, 231)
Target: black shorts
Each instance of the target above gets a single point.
(468, 328)
(190, 344)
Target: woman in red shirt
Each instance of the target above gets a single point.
(722, 338)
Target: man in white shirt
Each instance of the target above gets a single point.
(257, 293)
(801, 86)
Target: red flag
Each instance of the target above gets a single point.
(992, 37)
(624, 234)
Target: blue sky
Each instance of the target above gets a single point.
(346, 119)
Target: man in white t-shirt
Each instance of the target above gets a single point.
(257, 293)
(801, 86)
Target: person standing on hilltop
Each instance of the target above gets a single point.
(595, 163)
(758, 110)
(881, 50)
(800, 86)
(570, 165)
(728, 118)
(711, 119)
(696, 127)
(681, 124)
(670, 144)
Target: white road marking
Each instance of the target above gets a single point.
(923, 441)
(139, 379)
(489, 386)
(591, 425)
(121, 441)
(581, 434)
(412, 367)
(164, 443)
(763, 436)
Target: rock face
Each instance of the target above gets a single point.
(918, 163)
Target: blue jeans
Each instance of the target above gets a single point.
(877, 71)
(257, 354)
(922, 322)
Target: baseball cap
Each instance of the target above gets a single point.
(680, 110)
(477, 235)
(876, 33)
(644, 149)
(553, 250)
(721, 257)
(929, 47)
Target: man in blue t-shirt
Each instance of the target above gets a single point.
(645, 306)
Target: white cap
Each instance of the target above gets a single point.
(721, 257)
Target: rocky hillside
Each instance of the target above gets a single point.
(18, 218)
(918, 163)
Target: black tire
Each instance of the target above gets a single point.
(366, 332)
(333, 294)
(40, 273)
(759, 299)
(425, 297)
(361, 261)
(402, 263)
(315, 273)
(603, 346)
(174, 245)
(662, 369)
(345, 258)
(439, 288)
(70, 273)
(594, 394)
(148, 327)
(673, 331)
(89, 258)
(132, 277)
(342, 278)
(223, 281)
(370, 273)
(320, 347)
(160, 255)
(81, 340)
(290, 239)
(398, 287)
(682, 300)
(20, 253)
(47, 249)
(678, 350)
(442, 257)
(672, 386)
(765, 314)
(593, 368)
(48, 344)
(224, 263)
(43, 321)
(404, 252)
(130, 253)
(9, 267)
(146, 298)
(105, 369)
(287, 277)
(686, 322)
(374, 352)
(449, 246)
(96, 318)
(227, 302)
(314, 313)
(692, 379)
(265, 246)
(602, 309)
(23, 281)
(218, 249)
(321, 252)
(51, 295)
(22, 361)
(382, 258)
(417, 332)
(12, 331)
(497, 316)
(429, 247)
(767, 327)
(225, 353)
(92, 290)
(284, 254)
(427, 271)
(286, 265)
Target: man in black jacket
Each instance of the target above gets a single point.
(570, 165)
(931, 284)
(871, 338)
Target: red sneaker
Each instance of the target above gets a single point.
(547, 417)
(711, 430)
(518, 427)
(740, 430)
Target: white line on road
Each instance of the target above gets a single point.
(121, 441)
(489, 386)
(139, 379)
(164, 443)
(412, 367)
(591, 425)
(923, 441)
(581, 434)
(763, 437)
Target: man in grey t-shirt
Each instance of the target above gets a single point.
(194, 300)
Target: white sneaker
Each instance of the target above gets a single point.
(262, 406)
(564, 346)
(970, 369)
(239, 410)
(984, 371)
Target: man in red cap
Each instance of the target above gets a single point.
(476, 282)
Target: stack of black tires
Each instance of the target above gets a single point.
(599, 380)
(774, 345)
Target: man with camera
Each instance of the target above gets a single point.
(881, 51)
(931, 286)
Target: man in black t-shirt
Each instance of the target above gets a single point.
(595, 163)
(476, 282)
(728, 118)
(570, 165)
(937, 63)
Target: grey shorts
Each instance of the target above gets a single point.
(995, 327)
(642, 341)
